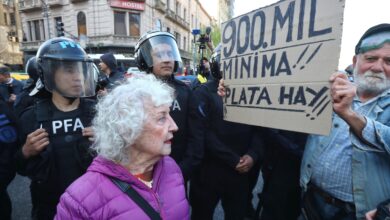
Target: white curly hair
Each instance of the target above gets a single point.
(121, 114)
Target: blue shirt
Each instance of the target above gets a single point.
(368, 181)
(333, 172)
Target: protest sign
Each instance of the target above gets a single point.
(277, 61)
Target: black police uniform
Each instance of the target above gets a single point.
(8, 147)
(65, 158)
(15, 87)
(24, 100)
(114, 79)
(187, 145)
(280, 197)
(225, 143)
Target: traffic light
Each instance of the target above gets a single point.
(60, 29)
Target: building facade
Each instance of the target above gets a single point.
(102, 26)
(225, 10)
(10, 34)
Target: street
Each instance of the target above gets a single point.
(20, 195)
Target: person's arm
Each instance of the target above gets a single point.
(195, 146)
(342, 93)
(221, 151)
(381, 212)
(365, 131)
(32, 153)
(371, 215)
(217, 148)
(255, 151)
(69, 208)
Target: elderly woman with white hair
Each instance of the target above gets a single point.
(132, 176)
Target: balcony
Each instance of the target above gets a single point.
(171, 15)
(54, 3)
(94, 41)
(112, 40)
(31, 5)
(76, 1)
(185, 54)
(184, 24)
(30, 45)
(8, 3)
(159, 5)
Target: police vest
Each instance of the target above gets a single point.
(67, 154)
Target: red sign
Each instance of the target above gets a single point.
(127, 4)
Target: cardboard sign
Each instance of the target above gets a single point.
(277, 61)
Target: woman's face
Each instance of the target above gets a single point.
(156, 136)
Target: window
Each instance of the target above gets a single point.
(134, 24)
(37, 30)
(5, 19)
(119, 23)
(12, 18)
(168, 29)
(185, 14)
(168, 4)
(184, 43)
(29, 31)
(81, 24)
(177, 8)
(126, 19)
(177, 35)
(192, 21)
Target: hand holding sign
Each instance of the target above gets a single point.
(342, 93)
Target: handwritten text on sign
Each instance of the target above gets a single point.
(277, 61)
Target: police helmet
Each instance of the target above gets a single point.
(65, 67)
(32, 69)
(146, 48)
(215, 64)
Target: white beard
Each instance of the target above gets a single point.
(370, 82)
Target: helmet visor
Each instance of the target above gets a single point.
(71, 79)
(160, 49)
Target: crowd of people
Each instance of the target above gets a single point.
(97, 145)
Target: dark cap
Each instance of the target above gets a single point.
(109, 60)
(371, 31)
(4, 70)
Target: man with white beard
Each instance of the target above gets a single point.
(347, 173)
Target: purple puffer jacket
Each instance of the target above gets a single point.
(95, 196)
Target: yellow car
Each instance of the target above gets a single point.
(19, 76)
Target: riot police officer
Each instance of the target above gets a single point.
(8, 147)
(55, 132)
(231, 151)
(157, 53)
(29, 93)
